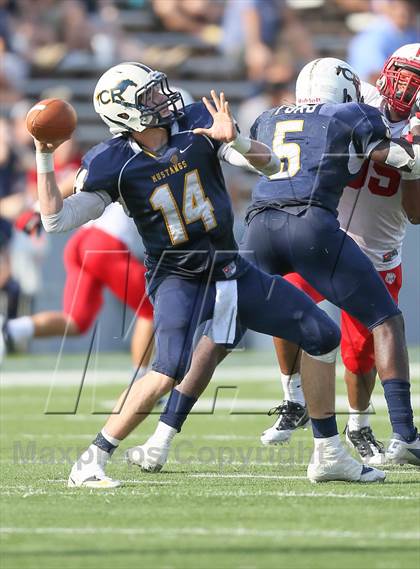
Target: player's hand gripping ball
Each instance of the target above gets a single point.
(51, 120)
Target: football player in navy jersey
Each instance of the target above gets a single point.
(293, 227)
(163, 166)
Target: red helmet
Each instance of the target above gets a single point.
(399, 81)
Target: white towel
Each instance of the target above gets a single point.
(225, 312)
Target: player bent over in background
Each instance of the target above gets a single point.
(374, 210)
(163, 166)
(99, 255)
(292, 226)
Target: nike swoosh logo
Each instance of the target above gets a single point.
(185, 149)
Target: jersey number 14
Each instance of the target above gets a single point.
(195, 206)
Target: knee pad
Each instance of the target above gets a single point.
(320, 334)
(328, 358)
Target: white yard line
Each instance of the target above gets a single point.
(207, 405)
(66, 378)
(145, 481)
(252, 476)
(216, 532)
(30, 491)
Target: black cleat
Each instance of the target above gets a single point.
(292, 416)
(364, 442)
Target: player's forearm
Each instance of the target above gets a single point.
(254, 154)
(49, 195)
(262, 158)
(399, 154)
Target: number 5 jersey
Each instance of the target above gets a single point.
(323, 150)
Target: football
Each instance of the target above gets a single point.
(51, 120)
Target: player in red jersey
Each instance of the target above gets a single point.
(100, 255)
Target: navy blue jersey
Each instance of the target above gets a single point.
(177, 198)
(322, 148)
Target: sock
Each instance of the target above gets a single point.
(324, 428)
(20, 329)
(106, 442)
(163, 434)
(177, 409)
(92, 457)
(321, 444)
(292, 387)
(357, 419)
(397, 395)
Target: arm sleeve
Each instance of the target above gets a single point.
(77, 210)
(369, 130)
(233, 157)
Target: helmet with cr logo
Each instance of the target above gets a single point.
(132, 97)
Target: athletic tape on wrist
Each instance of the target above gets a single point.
(241, 144)
(44, 162)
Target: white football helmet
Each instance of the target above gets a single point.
(399, 81)
(132, 97)
(327, 80)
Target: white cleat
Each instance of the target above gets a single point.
(292, 416)
(150, 457)
(332, 462)
(402, 452)
(92, 477)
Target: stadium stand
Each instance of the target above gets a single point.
(200, 69)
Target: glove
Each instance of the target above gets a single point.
(29, 222)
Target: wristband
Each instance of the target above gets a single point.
(241, 144)
(44, 162)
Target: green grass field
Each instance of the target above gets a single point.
(223, 500)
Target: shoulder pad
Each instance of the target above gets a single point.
(103, 163)
(196, 116)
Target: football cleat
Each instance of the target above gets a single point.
(292, 416)
(402, 452)
(150, 457)
(332, 462)
(93, 477)
(363, 441)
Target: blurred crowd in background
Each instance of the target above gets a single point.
(254, 48)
